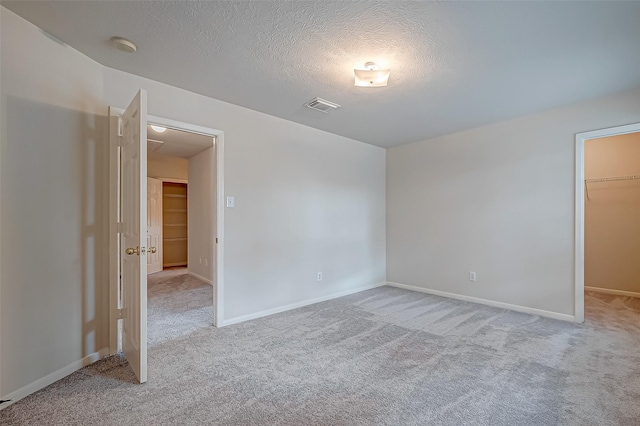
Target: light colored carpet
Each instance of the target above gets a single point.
(382, 357)
(177, 305)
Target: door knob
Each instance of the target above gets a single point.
(131, 251)
(152, 249)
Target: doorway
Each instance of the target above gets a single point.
(607, 217)
(180, 208)
(211, 235)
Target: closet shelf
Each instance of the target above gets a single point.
(174, 195)
(175, 239)
(607, 179)
(175, 210)
(175, 224)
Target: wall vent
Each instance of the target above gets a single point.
(322, 105)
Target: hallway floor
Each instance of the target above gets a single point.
(177, 305)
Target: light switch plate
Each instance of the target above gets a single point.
(230, 202)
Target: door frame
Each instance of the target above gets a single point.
(581, 138)
(217, 225)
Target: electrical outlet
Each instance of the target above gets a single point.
(206, 262)
(472, 276)
(319, 276)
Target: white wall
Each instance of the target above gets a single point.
(612, 214)
(498, 200)
(306, 200)
(53, 158)
(164, 166)
(202, 214)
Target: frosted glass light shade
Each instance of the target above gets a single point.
(371, 78)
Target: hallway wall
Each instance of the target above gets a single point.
(163, 166)
(202, 214)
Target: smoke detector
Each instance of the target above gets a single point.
(322, 105)
(123, 44)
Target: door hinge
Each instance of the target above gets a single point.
(121, 313)
(216, 240)
(120, 126)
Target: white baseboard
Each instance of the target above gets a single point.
(517, 308)
(268, 312)
(53, 377)
(200, 277)
(611, 291)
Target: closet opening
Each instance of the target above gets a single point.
(175, 235)
(608, 224)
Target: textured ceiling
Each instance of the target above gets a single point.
(178, 143)
(454, 65)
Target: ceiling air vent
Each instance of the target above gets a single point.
(321, 105)
(153, 145)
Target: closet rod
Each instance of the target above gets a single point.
(610, 179)
(607, 179)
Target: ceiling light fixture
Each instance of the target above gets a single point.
(158, 129)
(123, 44)
(371, 76)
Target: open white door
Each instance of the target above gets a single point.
(154, 225)
(134, 234)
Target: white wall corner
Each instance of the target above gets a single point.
(200, 277)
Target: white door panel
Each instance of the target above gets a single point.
(134, 234)
(154, 225)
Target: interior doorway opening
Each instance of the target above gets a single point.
(612, 223)
(180, 200)
(607, 219)
(180, 209)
